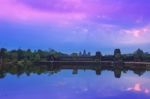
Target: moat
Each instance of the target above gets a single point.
(73, 82)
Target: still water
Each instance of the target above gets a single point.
(84, 85)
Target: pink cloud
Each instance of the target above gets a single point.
(138, 31)
(135, 35)
(16, 11)
(146, 91)
(79, 10)
(138, 88)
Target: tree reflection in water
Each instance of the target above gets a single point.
(53, 69)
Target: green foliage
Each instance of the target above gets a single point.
(21, 56)
(37, 57)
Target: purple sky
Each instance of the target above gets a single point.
(72, 25)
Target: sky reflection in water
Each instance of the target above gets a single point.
(84, 85)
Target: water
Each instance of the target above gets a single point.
(84, 85)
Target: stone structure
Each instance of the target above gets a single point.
(96, 57)
(117, 55)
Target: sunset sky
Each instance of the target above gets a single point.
(73, 25)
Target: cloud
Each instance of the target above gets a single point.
(109, 34)
(135, 35)
(58, 11)
(19, 12)
(138, 88)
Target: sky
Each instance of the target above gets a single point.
(74, 25)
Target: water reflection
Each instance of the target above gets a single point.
(73, 82)
(53, 69)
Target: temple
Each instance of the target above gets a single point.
(96, 57)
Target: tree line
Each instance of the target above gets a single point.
(20, 55)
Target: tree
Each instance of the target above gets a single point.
(74, 54)
(138, 55)
(3, 54)
(37, 57)
(13, 55)
(139, 52)
(21, 54)
(28, 54)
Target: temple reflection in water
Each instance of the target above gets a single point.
(55, 68)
